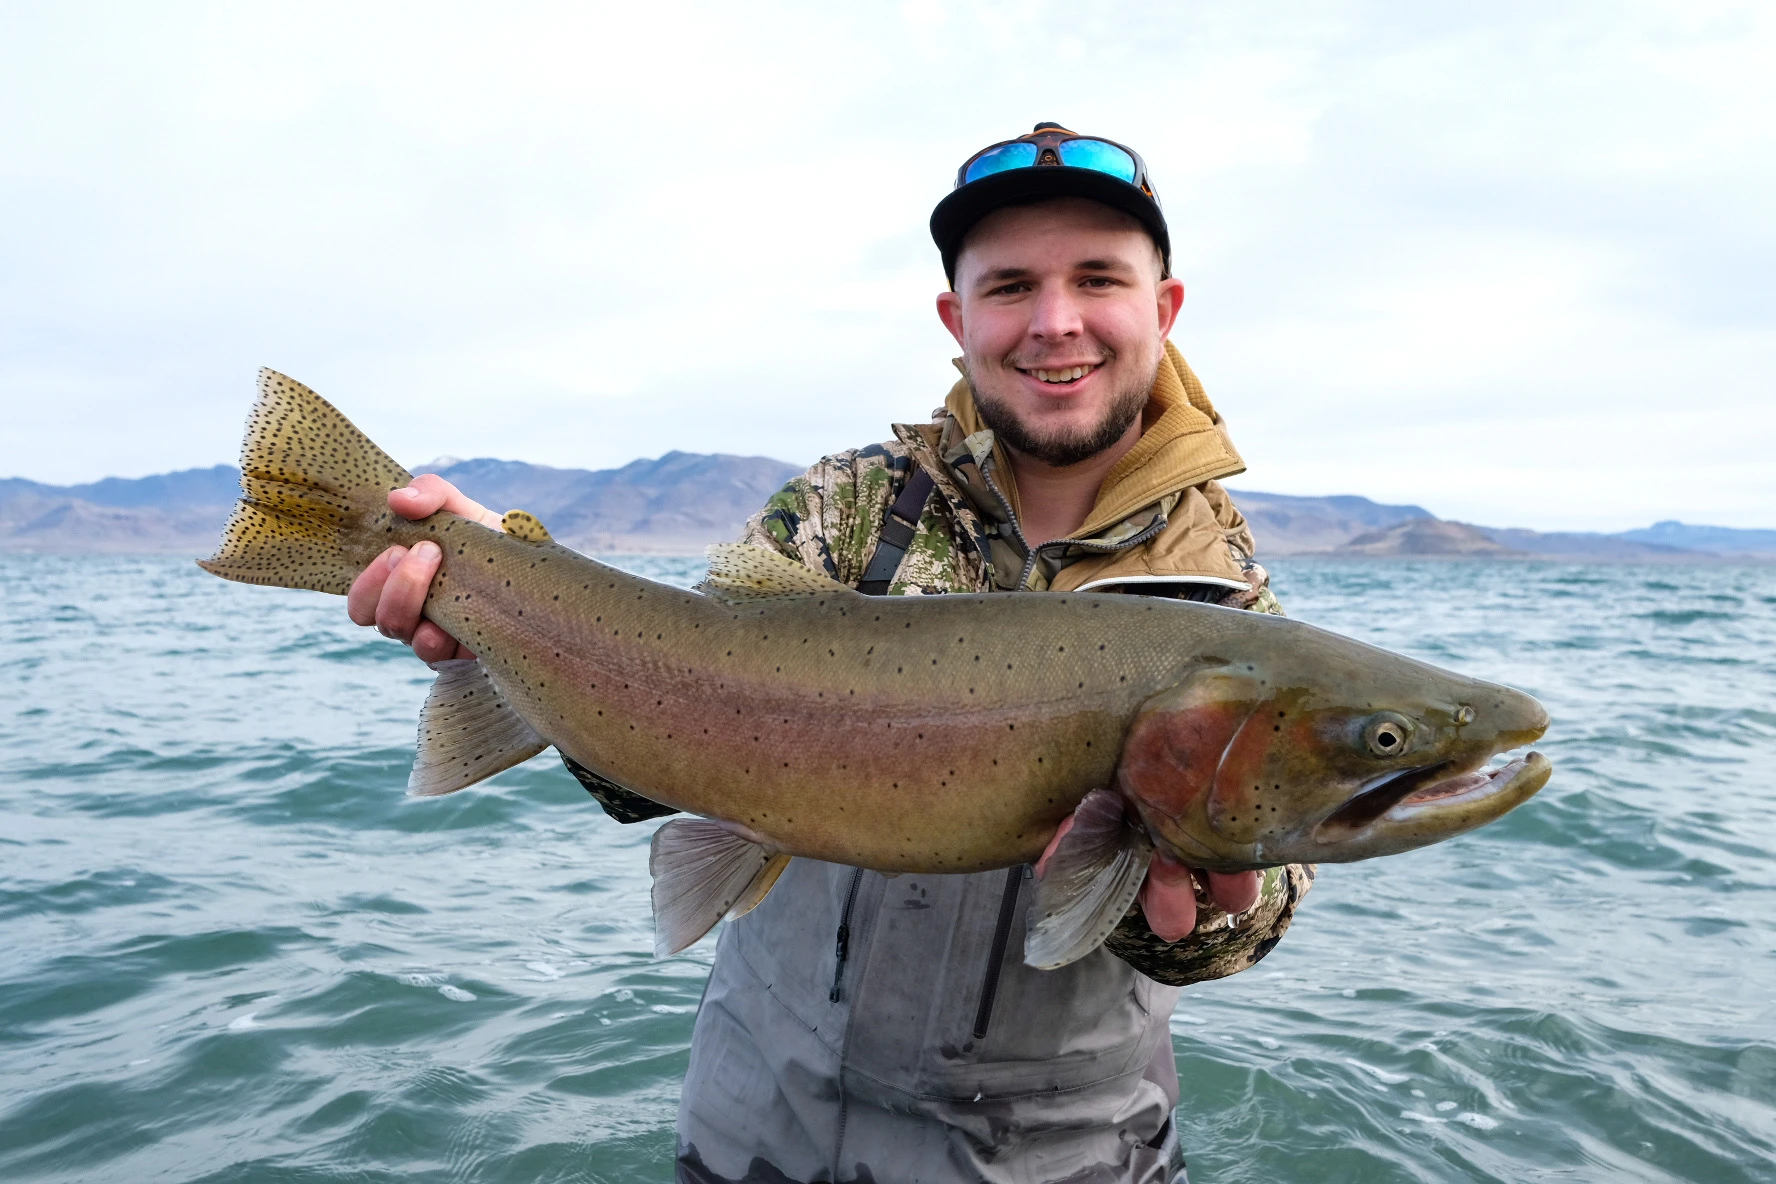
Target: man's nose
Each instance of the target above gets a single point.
(1056, 315)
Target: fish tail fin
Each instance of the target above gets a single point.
(314, 495)
(1090, 880)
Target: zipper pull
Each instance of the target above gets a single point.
(843, 950)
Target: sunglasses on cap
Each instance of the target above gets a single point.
(1057, 149)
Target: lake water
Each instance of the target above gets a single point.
(234, 950)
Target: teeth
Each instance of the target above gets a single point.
(1067, 375)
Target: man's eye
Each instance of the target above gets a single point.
(1009, 289)
(1099, 281)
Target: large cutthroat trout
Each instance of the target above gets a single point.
(903, 734)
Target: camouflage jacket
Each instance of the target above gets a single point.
(1162, 526)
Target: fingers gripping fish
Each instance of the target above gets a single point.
(798, 717)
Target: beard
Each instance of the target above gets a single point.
(1061, 449)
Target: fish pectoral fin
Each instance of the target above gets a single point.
(741, 573)
(525, 527)
(1088, 884)
(467, 732)
(703, 872)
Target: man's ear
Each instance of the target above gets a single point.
(949, 311)
(1169, 296)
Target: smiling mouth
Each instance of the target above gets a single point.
(1421, 795)
(1061, 375)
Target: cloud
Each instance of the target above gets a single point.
(1508, 262)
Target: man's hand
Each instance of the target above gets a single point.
(1168, 898)
(391, 592)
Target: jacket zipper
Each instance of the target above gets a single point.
(1032, 554)
(843, 943)
(983, 1015)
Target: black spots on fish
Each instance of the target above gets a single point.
(1011, 727)
(1060, 649)
(971, 690)
(557, 596)
(1122, 678)
(490, 559)
(1088, 743)
(1008, 665)
(1100, 647)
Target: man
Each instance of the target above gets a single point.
(858, 1027)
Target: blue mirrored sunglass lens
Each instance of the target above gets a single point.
(1099, 157)
(998, 160)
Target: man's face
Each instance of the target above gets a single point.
(1062, 317)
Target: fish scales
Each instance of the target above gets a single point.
(960, 734)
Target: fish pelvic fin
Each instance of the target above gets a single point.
(703, 871)
(525, 526)
(312, 488)
(741, 573)
(467, 732)
(1090, 880)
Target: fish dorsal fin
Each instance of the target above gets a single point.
(467, 732)
(525, 527)
(1092, 877)
(741, 573)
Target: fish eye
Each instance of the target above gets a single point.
(1387, 734)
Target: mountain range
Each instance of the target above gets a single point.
(683, 501)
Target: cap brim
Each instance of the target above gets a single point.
(956, 214)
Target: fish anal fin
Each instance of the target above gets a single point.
(467, 732)
(741, 573)
(760, 886)
(525, 527)
(1090, 880)
(703, 872)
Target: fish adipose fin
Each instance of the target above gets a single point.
(467, 732)
(703, 871)
(741, 573)
(525, 527)
(1088, 884)
(312, 486)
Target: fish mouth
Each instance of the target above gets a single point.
(1444, 798)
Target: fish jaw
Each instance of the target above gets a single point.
(1439, 805)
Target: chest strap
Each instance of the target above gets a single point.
(897, 534)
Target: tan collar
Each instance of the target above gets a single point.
(1184, 444)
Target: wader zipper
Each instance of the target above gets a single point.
(843, 943)
(983, 1016)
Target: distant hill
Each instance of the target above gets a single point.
(677, 504)
(683, 501)
(1356, 528)
(1286, 525)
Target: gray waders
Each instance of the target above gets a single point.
(860, 1028)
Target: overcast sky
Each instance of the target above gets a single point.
(1511, 261)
